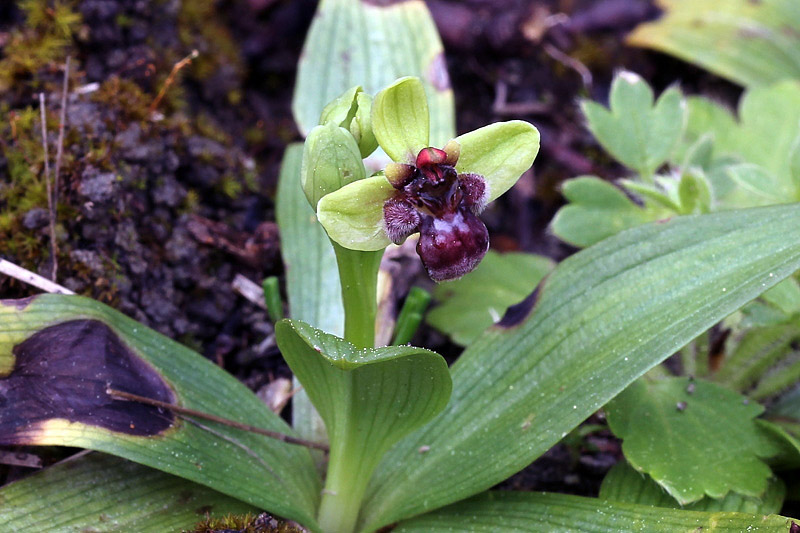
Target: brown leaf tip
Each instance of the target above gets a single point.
(63, 371)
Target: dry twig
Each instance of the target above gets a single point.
(171, 79)
(26, 276)
(120, 395)
(62, 119)
(49, 188)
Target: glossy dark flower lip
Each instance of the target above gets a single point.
(432, 198)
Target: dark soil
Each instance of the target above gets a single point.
(156, 217)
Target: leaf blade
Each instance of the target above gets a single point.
(533, 512)
(98, 492)
(545, 373)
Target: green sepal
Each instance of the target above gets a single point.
(499, 152)
(353, 215)
(331, 160)
(400, 119)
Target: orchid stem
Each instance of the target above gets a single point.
(358, 273)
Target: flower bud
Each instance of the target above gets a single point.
(331, 160)
(352, 111)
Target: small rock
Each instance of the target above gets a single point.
(169, 192)
(36, 218)
(96, 186)
(89, 259)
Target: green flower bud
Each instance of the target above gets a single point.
(331, 160)
(352, 111)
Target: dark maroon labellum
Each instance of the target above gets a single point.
(442, 205)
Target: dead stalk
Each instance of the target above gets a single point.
(61, 125)
(120, 395)
(49, 188)
(171, 79)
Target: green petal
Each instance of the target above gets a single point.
(499, 152)
(400, 119)
(353, 215)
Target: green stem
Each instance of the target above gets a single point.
(348, 471)
(346, 482)
(411, 315)
(358, 273)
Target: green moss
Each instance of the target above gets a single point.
(43, 40)
(126, 96)
(248, 523)
(201, 27)
(230, 186)
(26, 188)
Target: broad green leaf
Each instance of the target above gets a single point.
(781, 376)
(104, 493)
(701, 152)
(331, 160)
(637, 133)
(601, 319)
(369, 398)
(353, 215)
(343, 49)
(624, 484)
(764, 135)
(769, 120)
(786, 435)
(794, 163)
(750, 43)
(762, 187)
(785, 296)
(400, 119)
(761, 314)
(671, 427)
(788, 405)
(707, 118)
(68, 350)
(473, 303)
(500, 153)
(312, 278)
(758, 349)
(597, 210)
(535, 512)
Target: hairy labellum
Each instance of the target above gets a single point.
(442, 205)
(452, 245)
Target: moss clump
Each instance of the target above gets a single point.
(22, 149)
(43, 40)
(126, 96)
(248, 523)
(201, 27)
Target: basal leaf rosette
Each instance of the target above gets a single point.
(436, 192)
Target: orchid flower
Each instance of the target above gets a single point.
(436, 192)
